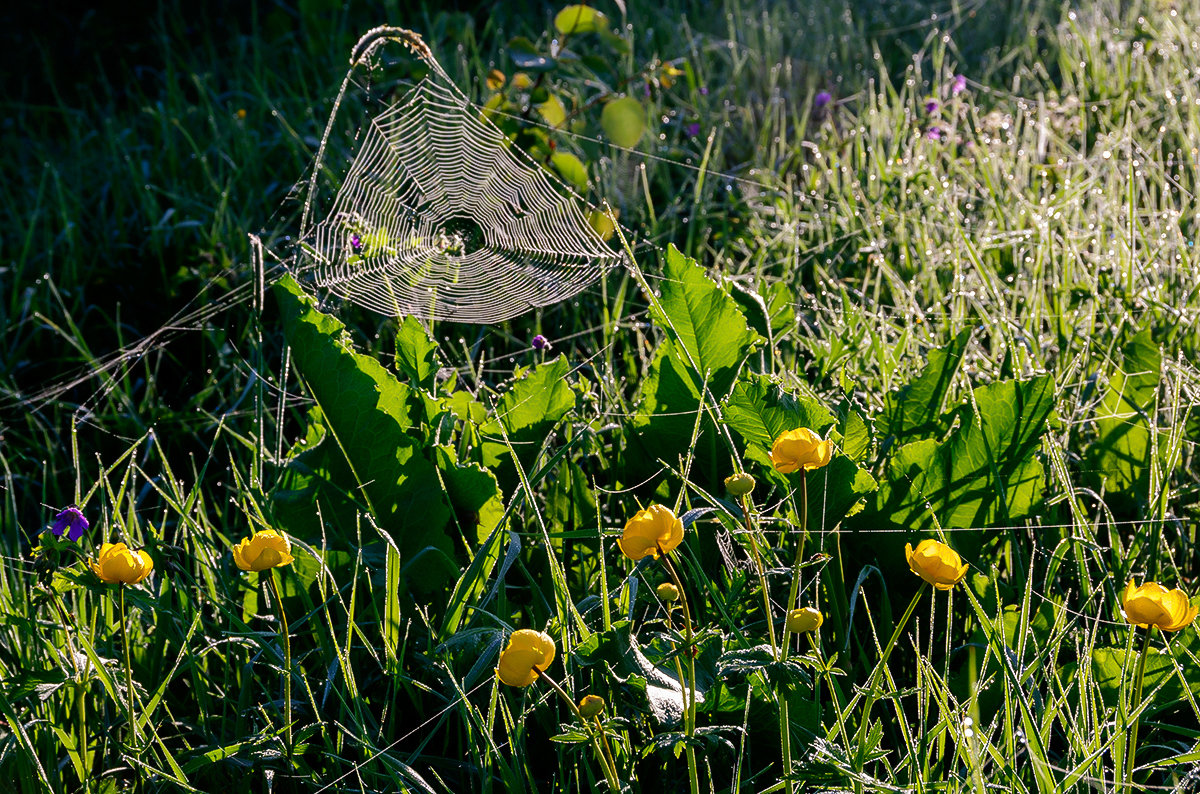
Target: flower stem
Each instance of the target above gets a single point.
(610, 768)
(785, 730)
(689, 702)
(287, 662)
(762, 577)
(133, 727)
(1139, 680)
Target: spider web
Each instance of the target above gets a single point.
(441, 217)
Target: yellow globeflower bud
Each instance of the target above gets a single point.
(739, 484)
(804, 619)
(119, 564)
(265, 549)
(800, 449)
(655, 530)
(528, 653)
(667, 592)
(1151, 604)
(591, 706)
(936, 563)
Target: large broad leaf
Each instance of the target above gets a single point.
(366, 459)
(526, 415)
(985, 473)
(416, 353)
(912, 411)
(707, 338)
(1113, 669)
(760, 410)
(1122, 448)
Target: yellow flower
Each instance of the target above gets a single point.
(1154, 605)
(117, 563)
(591, 706)
(936, 563)
(800, 449)
(651, 531)
(265, 549)
(527, 653)
(804, 619)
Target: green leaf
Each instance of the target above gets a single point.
(474, 494)
(571, 169)
(366, 459)
(579, 19)
(624, 121)
(527, 414)
(760, 410)
(416, 353)
(525, 55)
(913, 411)
(707, 336)
(985, 472)
(552, 110)
(1122, 447)
(1110, 667)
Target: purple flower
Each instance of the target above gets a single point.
(934, 134)
(692, 130)
(931, 106)
(821, 100)
(959, 85)
(703, 90)
(71, 521)
(355, 242)
(646, 90)
(541, 343)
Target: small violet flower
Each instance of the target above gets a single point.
(821, 100)
(931, 106)
(541, 343)
(959, 85)
(71, 521)
(692, 130)
(355, 242)
(703, 90)
(934, 134)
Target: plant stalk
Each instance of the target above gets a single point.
(610, 768)
(689, 702)
(287, 662)
(1139, 680)
(128, 669)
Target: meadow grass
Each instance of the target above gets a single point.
(1033, 235)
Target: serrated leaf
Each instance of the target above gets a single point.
(527, 414)
(985, 472)
(1122, 448)
(416, 353)
(624, 121)
(579, 19)
(912, 411)
(368, 459)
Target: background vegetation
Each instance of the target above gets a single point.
(988, 297)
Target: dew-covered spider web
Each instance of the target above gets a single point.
(439, 216)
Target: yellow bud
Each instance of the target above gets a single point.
(739, 484)
(804, 619)
(495, 80)
(667, 592)
(591, 706)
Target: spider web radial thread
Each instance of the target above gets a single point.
(441, 217)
